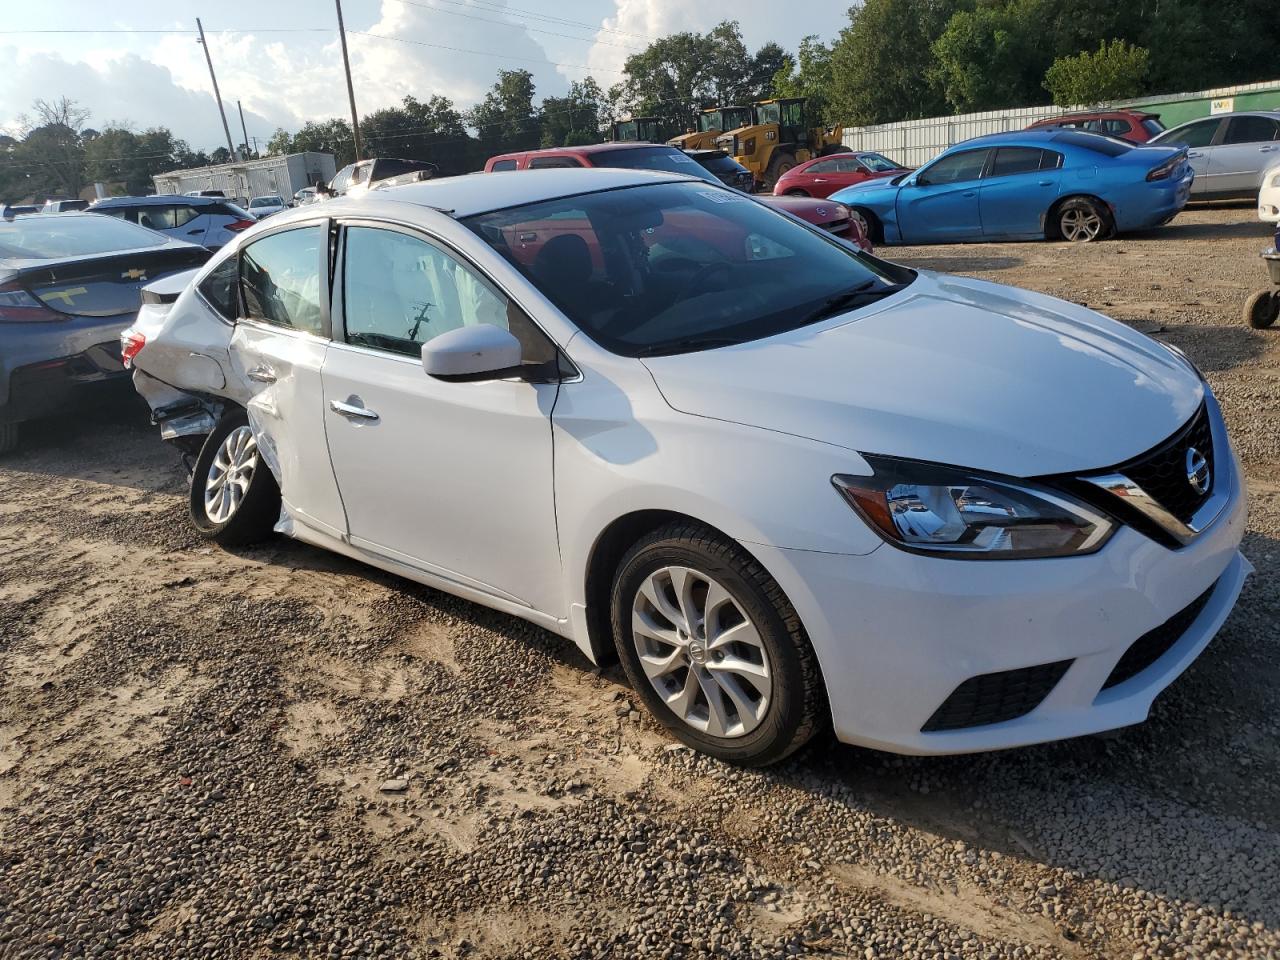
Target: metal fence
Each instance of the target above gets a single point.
(914, 142)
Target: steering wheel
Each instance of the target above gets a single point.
(703, 275)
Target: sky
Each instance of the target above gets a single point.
(138, 62)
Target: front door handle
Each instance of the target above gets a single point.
(1265, 149)
(969, 193)
(352, 409)
(1045, 183)
(262, 373)
(1195, 153)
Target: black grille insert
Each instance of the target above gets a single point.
(1162, 472)
(1155, 643)
(996, 697)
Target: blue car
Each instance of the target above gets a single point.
(1058, 184)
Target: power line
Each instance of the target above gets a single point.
(184, 32)
(482, 53)
(516, 26)
(489, 6)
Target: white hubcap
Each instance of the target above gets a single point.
(230, 475)
(701, 652)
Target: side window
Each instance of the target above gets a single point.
(340, 180)
(823, 166)
(547, 163)
(966, 165)
(123, 213)
(1011, 160)
(280, 276)
(359, 173)
(183, 215)
(1116, 127)
(1050, 160)
(503, 165)
(156, 218)
(400, 291)
(219, 289)
(1195, 134)
(1250, 130)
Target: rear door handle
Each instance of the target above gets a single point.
(262, 373)
(352, 410)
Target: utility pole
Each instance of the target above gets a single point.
(351, 92)
(216, 95)
(243, 130)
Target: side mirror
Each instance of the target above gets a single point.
(481, 352)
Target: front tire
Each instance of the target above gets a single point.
(1261, 308)
(713, 647)
(234, 497)
(1081, 220)
(779, 164)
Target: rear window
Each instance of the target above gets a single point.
(1153, 126)
(56, 238)
(503, 165)
(384, 169)
(652, 158)
(1098, 144)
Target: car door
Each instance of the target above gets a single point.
(1017, 189)
(1246, 147)
(940, 202)
(1198, 137)
(817, 178)
(276, 352)
(454, 479)
(191, 223)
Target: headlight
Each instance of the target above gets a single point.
(1275, 181)
(964, 515)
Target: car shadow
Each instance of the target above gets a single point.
(1213, 349)
(1178, 230)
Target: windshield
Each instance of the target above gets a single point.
(720, 162)
(652, 158)
(877, 163)
(55, 238)
(265, 202)
(709, 121)
(768, 112)
(673, 267)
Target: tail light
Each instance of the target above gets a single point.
(1165, 170)
(17, 305)
(130, 343)
(237, 225)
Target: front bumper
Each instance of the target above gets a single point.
(897, 634)
(46, 367)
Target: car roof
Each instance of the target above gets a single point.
(476, 193)
(159, 199)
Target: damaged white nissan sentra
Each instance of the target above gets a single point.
(786, 482)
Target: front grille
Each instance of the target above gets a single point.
(1154, 644)
(1162, 472)
(996, 697)
(838, 227)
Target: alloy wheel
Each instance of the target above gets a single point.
(1081, 224)
(230, 474)
(857, 217)
(701, 652)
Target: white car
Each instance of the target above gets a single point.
(789, 484)
(263, 207)
(1269, 195)
(209, 221)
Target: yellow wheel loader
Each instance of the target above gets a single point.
(711, 123)
(781, 136)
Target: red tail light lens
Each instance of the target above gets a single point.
(237, 225)
(130, 343)
(17, 305)
(1165, 170)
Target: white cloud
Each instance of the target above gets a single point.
(281, 79)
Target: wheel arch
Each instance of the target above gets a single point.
(602, 563)
(1050, 226)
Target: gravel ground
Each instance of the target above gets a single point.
(277, 751)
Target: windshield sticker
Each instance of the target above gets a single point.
(721, 196)
(682, 158)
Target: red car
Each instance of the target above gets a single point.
(832, 217)
(1136, 126)
(823, 176)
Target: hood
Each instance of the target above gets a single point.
(953, 371)
(806, 208)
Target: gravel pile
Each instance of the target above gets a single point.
(278, 752)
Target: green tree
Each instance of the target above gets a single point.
(1116, 71)
(809, 75)
(323, 136)
(52, 151)
(505, 119)
(882, 63)
(431, 130)
(118, 155)
(768, 62)
(576, 118)
(992, 57)
(281, 143)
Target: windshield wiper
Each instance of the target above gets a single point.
(688, 345)
(859, 296)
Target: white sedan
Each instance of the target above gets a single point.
(263, 207)
(788, 484)
(1269, 195)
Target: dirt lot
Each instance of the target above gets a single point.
(195, 746)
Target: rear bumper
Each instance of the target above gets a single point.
(46, 367)
(1154, 207)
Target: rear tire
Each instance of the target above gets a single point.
(8, 437)
(696, 619)
(234, 498)
(797, 193)
(1260, 310)
(779, 164)
(1081, 220)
